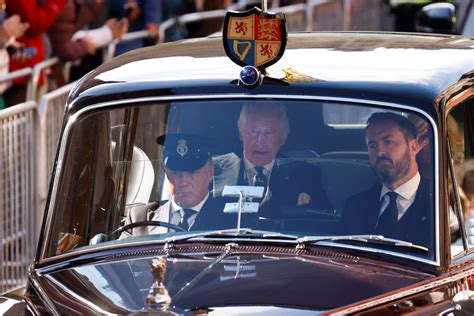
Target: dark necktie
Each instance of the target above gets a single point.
(388, 221)
(184, 220)
(260, 179)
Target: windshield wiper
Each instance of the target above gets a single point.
(366, 239)
(228, 250)
(233, 233)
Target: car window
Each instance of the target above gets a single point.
(346, 116)
(460, 135)
(162, 161)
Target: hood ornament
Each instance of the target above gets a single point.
(158, 297)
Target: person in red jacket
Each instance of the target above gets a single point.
(40, 14)
(11, 27)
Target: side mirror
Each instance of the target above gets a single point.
(436, 18)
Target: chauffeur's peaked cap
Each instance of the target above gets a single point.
(185, 152)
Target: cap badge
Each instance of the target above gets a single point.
(182, 148)
(254, 37)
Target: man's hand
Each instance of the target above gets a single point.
(117, 28)
(135, 10)
(88, 44)
(20, 55)
(13, 27)
(153, 29)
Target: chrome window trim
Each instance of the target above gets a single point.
(43, 295)
(142, 100)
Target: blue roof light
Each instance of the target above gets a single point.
(250, 76)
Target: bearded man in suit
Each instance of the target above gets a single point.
(189, 170)
(291, 186)
(401, 206)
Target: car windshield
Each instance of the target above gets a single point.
(303, 168)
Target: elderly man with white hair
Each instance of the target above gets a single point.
(290, 186)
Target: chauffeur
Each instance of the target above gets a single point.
(188, 167)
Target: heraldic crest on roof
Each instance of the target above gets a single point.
(254, 37)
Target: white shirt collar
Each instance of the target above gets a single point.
(406, 195)
(175, 207)
(406, 190)
(250, 166)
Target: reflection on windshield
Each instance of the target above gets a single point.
(163, 169)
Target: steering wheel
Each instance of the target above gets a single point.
(145, 223)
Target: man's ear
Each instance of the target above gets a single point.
(211, 169)
(414, 146)
(167, 177)
(240, 133)
(284, 137)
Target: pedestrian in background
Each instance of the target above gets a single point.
(10, 28)
(141, 15)
(70, 38)
(39, 14)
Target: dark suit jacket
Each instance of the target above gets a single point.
(210, 216)
(361, 211)
(289, 179)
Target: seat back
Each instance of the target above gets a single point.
(141, 178)
(342, 179)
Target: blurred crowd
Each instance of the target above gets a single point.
(76, 31)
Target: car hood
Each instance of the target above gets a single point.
(257, 280)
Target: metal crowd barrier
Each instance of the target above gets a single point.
(109, 51)
(44, 65)
(311, 15)
(18, 198)
(20, 73)
(211, 22)
(28, 139)
(354, 15)
(33, 75)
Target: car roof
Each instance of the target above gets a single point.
(410, 69)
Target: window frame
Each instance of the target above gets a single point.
(42, 256)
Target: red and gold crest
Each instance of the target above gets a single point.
(254, 37)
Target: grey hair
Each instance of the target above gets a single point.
(279, 108)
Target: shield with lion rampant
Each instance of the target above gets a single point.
(254, 37)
